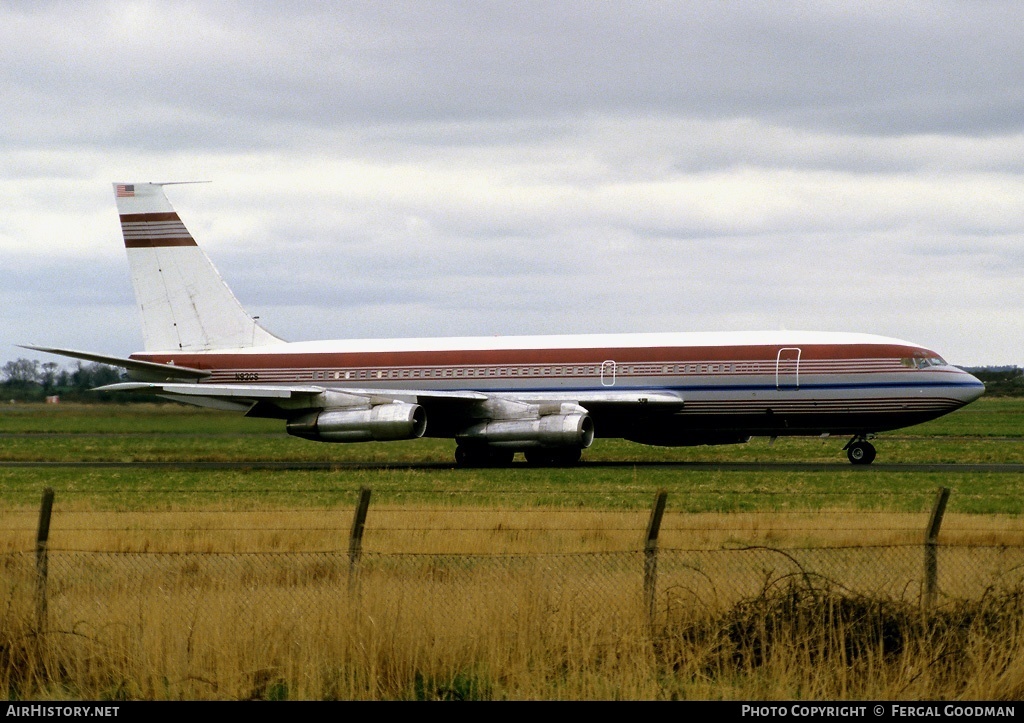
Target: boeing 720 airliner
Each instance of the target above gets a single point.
(545, 396)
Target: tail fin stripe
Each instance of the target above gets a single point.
(153, 230)
(157, 243)
(169, 216)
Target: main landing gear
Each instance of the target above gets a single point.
(471, 455)
(555, 457)
(859, 450)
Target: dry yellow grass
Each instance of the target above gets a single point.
(467, 530)
(302, 627)
(505, 604)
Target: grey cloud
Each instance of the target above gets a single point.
(230, 75)
(411, 168)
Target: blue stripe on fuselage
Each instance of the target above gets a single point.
(730, 387)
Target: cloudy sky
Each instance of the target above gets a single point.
(475, 168)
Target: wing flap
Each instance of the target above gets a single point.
(639, 398)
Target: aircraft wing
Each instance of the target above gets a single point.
(264, 400)
(259, 392)
(286, 400)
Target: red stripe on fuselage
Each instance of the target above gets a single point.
(495, 357)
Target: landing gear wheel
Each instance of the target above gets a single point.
(554, 457)
(497, 457)
(539, 457)
(861, 453)
(483, 456)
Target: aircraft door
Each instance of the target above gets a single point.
(608, 373)
(787, 368)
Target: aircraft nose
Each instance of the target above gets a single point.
(970, 388)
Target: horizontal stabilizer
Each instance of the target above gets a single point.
(155, 370)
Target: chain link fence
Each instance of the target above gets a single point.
(377, 625)
(304, 624)
(97, 589)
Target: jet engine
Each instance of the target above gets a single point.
(397, 420)
(552, 430)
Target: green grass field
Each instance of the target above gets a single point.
(614, 474)
(173, 578)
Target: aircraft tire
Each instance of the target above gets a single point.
(483, 456)
(500, 457)
(564, 457)
(538, 457)
(861, 453)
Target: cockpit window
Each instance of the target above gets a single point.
(921, 362)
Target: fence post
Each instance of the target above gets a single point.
(651, 552)
(355, 539)
(931, 547)
(42, 537)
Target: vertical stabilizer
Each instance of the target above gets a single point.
(184, 303)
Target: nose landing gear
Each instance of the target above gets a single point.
(859, 450)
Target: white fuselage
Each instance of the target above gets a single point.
(729, 383)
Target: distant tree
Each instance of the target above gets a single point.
(88, 376)
(1000, 381)
(28, 380)
(21, 372)
(48, 376)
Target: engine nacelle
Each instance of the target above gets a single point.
(552, 430)
(383, 422)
